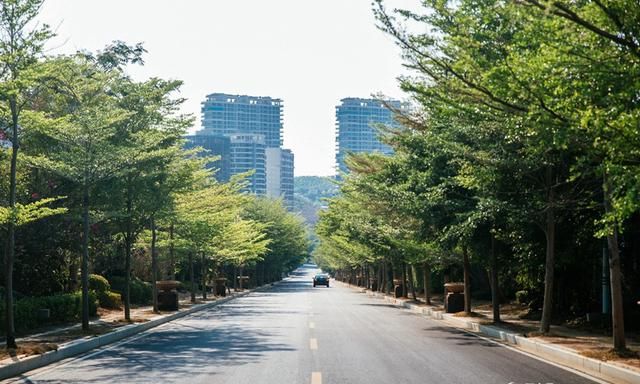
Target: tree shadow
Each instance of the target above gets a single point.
(202, 344)
(460, 337)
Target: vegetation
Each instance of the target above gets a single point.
(102, 159)
(310, 193)
(520, 159)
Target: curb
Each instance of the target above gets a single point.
(79, 346)
(596, 368)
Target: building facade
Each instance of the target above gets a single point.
(286, 177)
(248, 154)
(246, 131)
(280, 175)
(356, 131)
(224, 114)
(219, 146)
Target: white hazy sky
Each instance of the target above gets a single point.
(309, 53)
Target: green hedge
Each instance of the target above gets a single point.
(99, 283)
(63, 308)
(106, 298)
(140, 292)
(111, 300)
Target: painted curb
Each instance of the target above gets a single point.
(80, 346)
(600, 369)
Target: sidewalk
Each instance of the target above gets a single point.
(61, 342)
(569, 347)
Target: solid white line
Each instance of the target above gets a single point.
(512, 348)
(585, 375)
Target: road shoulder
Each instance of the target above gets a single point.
(558, 355)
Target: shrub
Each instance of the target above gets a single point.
(99, 283)
(522, 297)
(111, 300)
(140, 291)
(63, 308)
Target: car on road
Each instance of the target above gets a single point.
(321, 279)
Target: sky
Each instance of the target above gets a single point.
(308, 53)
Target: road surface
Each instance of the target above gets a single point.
(295, 333)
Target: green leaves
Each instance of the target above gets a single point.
(23, 214)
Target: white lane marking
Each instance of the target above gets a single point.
(312, 325)
(583, 374)
(313, 344)
(316, 378)
(515, 349)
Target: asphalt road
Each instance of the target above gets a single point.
(295, 333)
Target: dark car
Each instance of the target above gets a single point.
(321, 279)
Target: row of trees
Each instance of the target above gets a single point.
(522, 155)
(93, 176)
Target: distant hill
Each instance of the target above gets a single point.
(309, 192)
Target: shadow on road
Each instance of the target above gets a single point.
(460, 337)
(188, 348)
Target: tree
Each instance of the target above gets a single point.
(287, 238)
(83, 146)
(555, 76)
(589, 76)
(202, 216)
(144, 184)
(20, 47)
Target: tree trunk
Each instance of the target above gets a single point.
(154, 264)
(495, 300)
(127, 278)
(204, 276)
(128, 243)
(84, 266)
(615, 276)
(412, 271)
(467, 280)
(172, 255)
(235, 278)
(366, 271)
(390, 276)
(404, 280)
(549, 265)
(427, 283)
(11, 251)
(192, 278)
(240, 277)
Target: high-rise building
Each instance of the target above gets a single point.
(280, 175)
(252, 128)
(286, 177)
(248, 154)
(356, 119)
(215, 146)
(224, 114)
